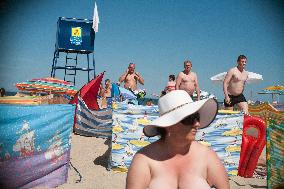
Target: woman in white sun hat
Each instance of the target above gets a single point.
(176, 160)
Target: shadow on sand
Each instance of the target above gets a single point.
(103, 160)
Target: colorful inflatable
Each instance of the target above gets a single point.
(253, 142)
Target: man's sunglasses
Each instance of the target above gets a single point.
(191, 119)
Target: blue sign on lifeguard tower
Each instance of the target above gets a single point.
(74, 37)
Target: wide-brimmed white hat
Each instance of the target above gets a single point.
(177, 105)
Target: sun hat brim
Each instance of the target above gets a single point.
(207, 109)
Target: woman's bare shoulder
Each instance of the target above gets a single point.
(151, 151)
(201, 148)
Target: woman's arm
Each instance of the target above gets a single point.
(216, 173)
(138, 176)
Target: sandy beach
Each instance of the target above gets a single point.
(88, 168)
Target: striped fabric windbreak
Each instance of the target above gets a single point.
(96, 123)
(275, 153)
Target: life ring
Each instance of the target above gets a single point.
(252, 146)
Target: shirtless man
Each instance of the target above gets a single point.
(130, 78)
(234, 84)
(187, 80)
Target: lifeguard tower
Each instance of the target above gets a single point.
(74, 45)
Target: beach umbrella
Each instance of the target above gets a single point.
(252, 78)
(273, 90)
(47, 85)
(276, 88)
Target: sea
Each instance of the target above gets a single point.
(9, 93)
(141, 101)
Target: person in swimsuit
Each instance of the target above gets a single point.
(176, 160)
(234, 84)
(171, 85)
(106, 92)
(130, 78)
(187, 80)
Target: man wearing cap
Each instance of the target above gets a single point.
(176, 160)
(187, 80)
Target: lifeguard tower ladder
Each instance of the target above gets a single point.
(74, 40)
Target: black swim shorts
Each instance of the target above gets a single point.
(235, 100)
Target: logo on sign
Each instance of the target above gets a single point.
(76, 36)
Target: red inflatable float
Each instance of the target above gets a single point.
(253, 142)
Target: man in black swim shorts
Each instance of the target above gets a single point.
(235, 100)
(234, 84)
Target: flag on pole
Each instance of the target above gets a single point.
(96, 19)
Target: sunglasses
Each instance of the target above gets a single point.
(191, 119)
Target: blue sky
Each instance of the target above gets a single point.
(156, 35)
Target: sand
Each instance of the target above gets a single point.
(88, 168)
